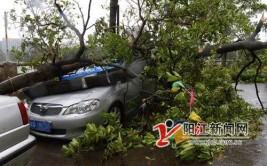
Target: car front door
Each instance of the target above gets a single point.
(132, 97)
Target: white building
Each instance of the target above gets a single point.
(9, 45)
(1, 47)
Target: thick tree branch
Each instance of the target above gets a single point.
(242, 45)
(258, 28)
(80, 9)
(134, 43)
(72, 27)
(88, 17)
(248, 44)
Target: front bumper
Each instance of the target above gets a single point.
(66, 126)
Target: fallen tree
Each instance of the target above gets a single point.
(58, 67)
(61, 67)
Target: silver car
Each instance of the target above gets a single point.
(66, 115)
(16, 143)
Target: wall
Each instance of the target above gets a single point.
(7, 69)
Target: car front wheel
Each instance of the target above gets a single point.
(117, 108)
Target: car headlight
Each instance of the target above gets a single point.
(82, 107)
(26, 103)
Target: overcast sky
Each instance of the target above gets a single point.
(96, 12)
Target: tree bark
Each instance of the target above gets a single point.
(224, 60)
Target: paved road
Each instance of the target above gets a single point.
(48, 153)
(254, 152)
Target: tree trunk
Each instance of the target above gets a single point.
(28, 79)
(224, 60)
(44, 73)
(56, 87)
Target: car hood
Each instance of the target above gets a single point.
(67, 99)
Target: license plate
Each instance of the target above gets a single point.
(40, 125)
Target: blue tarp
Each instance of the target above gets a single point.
(86, 72)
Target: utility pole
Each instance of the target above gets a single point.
(6, 24)
(118, 18)
(113, 15)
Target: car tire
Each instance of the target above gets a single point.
(116, 107)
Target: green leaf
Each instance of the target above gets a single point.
(179, 97)
(149, 139)
(172, 78)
